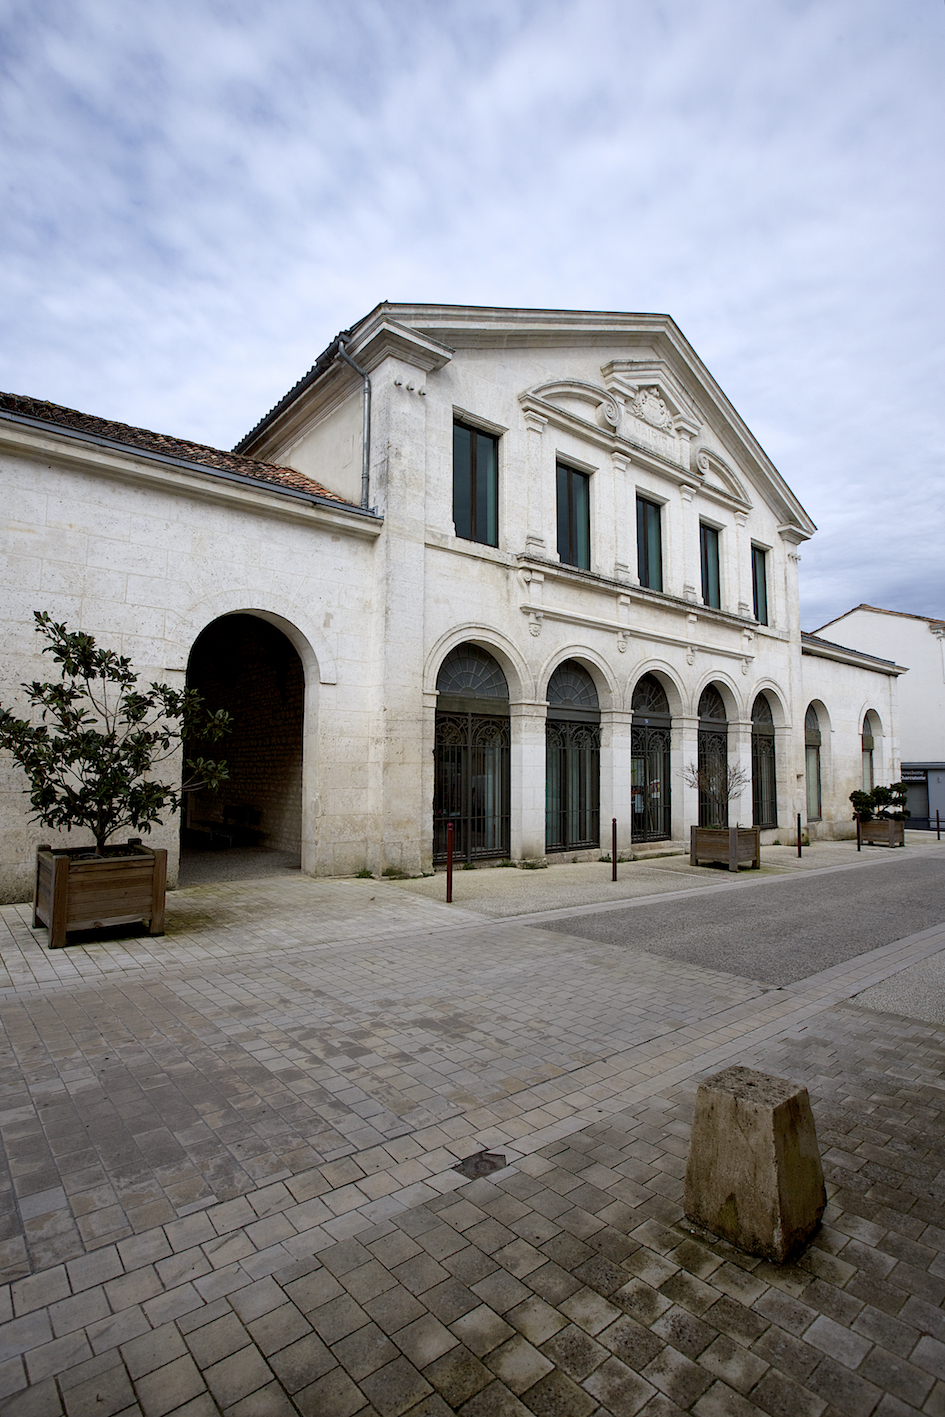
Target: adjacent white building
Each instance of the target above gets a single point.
(510, 569)
(918, 641)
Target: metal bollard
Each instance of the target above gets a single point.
(799, 852)
(938, 828)
(449, 863)
(613, 850)
(859, 838)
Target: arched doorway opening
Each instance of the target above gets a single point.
(572, 760)
(713, 759)
(649, 763)
(471, 756)
(247, 666)
(764, 778)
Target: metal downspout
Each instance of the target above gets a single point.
(365, 426)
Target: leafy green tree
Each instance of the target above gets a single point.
(99, 739)
(884, 803)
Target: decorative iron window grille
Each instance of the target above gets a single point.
(712, 757)
(764, 778)
(651, 736)
(572, 760)
(471, 756)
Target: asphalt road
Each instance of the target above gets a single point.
(781, 929)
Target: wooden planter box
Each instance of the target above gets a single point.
(75, 894)
(732, 846)
(883, 832)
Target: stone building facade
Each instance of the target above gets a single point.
(919, 642)
(518, 570)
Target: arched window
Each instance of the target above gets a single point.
(713, 759)
(471, 756)
(868, 741)
(812, 764)
(649, 764)
(764, 791)
(572, 760)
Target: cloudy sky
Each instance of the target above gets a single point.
(198, 194)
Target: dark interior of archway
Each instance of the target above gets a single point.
(254, 823)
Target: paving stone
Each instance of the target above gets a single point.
(169, 1387)
(619, 1389)
(494, 1401)
(518, 1364)
(677, 1376)
(424, 1340)
(683, 1331)
(481, 1330)
(896, 1376)
(843, 1390)
(787, 1353)
(269, 1401)
(450, 1299)
(779, 1396)
(333, 1395)
(153, 1350)
(458, 1375)
(300, 1363)
(237, 1375)
(278, 1328)
(556, 1395)
(104, 1395)
(536, 1319)
(396, 1387)
(574, 1352)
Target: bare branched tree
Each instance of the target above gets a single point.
(720, 782)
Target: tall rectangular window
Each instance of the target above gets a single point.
(475, 485)
(709, 547)
(574, 517)
(649, 544)
(759, 585)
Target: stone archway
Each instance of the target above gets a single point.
(246, 665)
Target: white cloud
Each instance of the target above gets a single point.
(199, 195)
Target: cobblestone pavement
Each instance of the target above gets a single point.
(231, 1186)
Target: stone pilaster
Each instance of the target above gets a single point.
(527, 771)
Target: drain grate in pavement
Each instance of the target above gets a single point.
(481, 1163)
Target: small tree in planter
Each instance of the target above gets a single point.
(719, 784)
(881, 814)
(90, 761)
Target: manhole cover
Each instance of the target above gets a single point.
(481, 1163)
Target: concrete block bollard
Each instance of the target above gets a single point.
(754, 1174)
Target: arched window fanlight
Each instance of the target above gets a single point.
(761, 715)
(812, 722)
(470, 672)
(571, 687)
(649, 698)
(712, 705)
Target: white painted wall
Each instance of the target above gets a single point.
(919, 644)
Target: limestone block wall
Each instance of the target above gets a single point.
(145, 557)
(843, 695)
